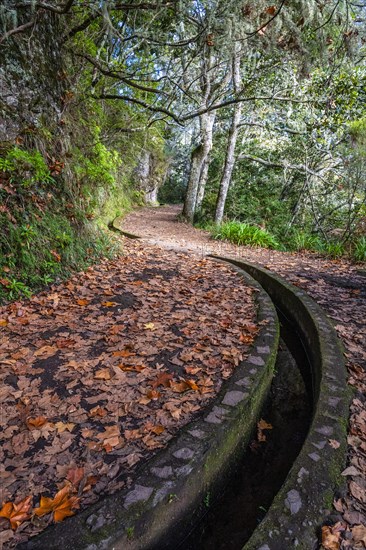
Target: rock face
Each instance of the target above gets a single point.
(149, 176)
(32, 81)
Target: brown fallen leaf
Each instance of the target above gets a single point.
(164, 379)
(271, 10)
(132, 434)
(82, 302)
(359, 533)
(330, 540)
(184, 385)
(37, 422)
(263, 425)
(132, 368)
(61, 506)
(64, 426)
(75, 475)
(103, 374)
(357, 491)
(123, 353)
(192, 370)
(246, 338)
(46, 350)
(65, 343)
(153, 394)
(156, 429)
(110, 437)
(17, 513)
(98, 411)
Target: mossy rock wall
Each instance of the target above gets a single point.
(31, 73)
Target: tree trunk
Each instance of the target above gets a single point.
(198, 172)
(229, 164)
(231, 144)
(202, 183)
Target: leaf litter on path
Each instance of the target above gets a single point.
(92, 387)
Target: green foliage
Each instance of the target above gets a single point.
(357, 130)
(244, 234)
(359, 250)
(26, 167)
(301, 240)
(44, 234)
(334, 249)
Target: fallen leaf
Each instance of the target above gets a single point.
(17, 513)
(153, 394)
(61, 506)
(82, 302)
(98, 411)
(103, 374)
(359, 533)
(123, 353)
(192, 370)
(55, 255)
(330, 540)
(132, 368)
(263, 425)
(132, 434)
(46, 350)
(3, 322)
(75, 475)
(149, 326)
(37, 422)
(109, 304)
(156, 429)
(333, 443)
(351, 471)
(64, 426)
(184, 385)
(164, 379)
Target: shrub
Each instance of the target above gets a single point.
(359, 250)
(244, 234)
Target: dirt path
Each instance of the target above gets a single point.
(100, 371)
(340, 288)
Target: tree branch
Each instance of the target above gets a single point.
(21, 28)
(119, 76)
(142, 104)
(60, 10)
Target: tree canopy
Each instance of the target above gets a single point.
(248, 111)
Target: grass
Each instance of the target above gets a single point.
(299, 240)
(359, 250)
(244, 234)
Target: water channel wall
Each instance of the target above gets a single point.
(305, 500)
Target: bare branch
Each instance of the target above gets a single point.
(21, 28)
(142, 104)
(60, 10)
(119, 76)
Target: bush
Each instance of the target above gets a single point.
(244, 234)
(302, 240)
(359, 250)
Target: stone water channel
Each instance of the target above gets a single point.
(233, 516)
